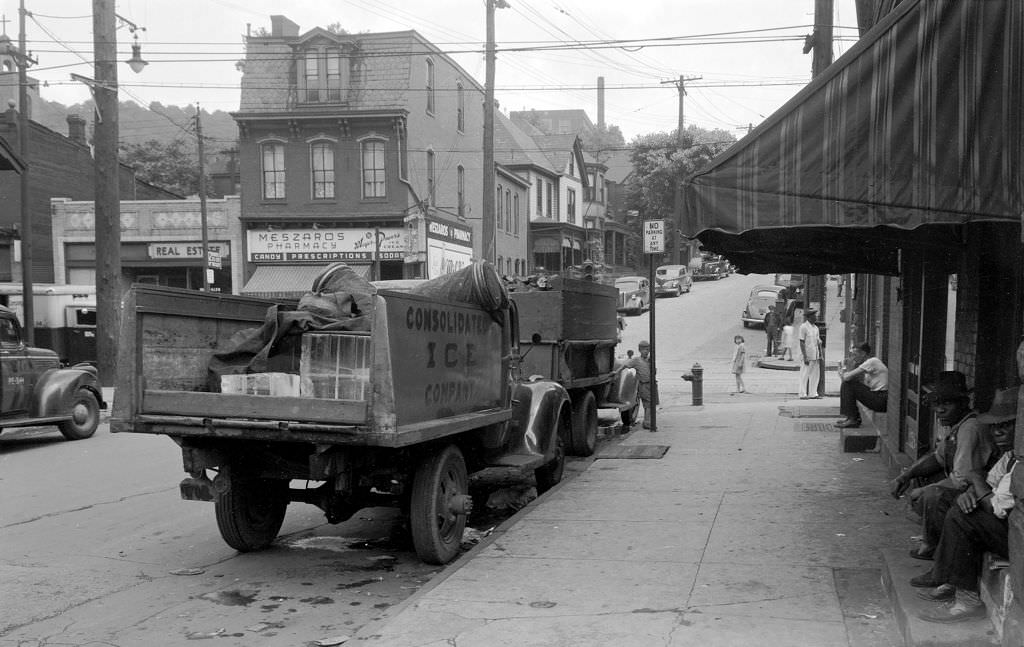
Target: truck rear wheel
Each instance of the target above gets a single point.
(583, 441)
(550, 474)
(85, 416)
(439, 505)
(250, 513)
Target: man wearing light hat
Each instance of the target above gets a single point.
(976, 524)
(810, 350)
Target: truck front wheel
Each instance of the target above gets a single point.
(250, 513)
(584, 424)
(85, 416)
(550, 474)
(439, 505)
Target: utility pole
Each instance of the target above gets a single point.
(27, 292)
(487, 218)
(107, 196)
(202, 201)
(677, 207)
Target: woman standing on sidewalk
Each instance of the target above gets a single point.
(739, 363)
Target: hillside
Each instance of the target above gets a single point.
(138, 125)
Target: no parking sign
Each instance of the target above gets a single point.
(654, 237)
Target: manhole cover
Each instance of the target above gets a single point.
(815, 426)
(633, 451)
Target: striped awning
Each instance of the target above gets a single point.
(917, 127)
(288, 281)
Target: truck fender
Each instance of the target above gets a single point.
(56, 388)
(624, 388)
(539, 403)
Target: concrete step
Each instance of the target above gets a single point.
(898, 568)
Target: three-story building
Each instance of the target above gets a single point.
(357, 148)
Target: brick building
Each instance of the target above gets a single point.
(355, 148)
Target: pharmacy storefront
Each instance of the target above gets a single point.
(449, 247)
(288, 260)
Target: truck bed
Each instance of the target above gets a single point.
(169, 336)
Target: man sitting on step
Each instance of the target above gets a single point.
(867, 382)
(976, 524)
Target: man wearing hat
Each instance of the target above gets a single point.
(642, 365)
(966, 448)
(976, 524)
(867, 383)
(810, 349)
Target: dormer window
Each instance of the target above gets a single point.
(323, 76)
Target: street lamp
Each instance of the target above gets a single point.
(136, 62)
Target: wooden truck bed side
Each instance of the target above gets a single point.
(170, 335)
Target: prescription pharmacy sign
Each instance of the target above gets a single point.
(326, 245)
(449, 247)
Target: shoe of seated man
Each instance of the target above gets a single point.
(940, 593)
(848, 423)
(925, 581)
(967, 605)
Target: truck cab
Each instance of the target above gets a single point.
(36, 390)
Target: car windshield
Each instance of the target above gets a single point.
(627, 285)
(766, 294)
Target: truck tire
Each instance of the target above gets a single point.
(583, 440)
(437, 512)
(550, 474)
(85, 416)
(250, 513)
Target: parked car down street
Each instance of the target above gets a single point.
(672, 280)
(634, 294)
(760, 298)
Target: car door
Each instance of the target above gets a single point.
(14, 367)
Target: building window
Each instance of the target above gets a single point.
(508, 211)
(273, 171)
(322, 170)
(461, 115)
(323, 76)
(572, 166)
(430, 86)
(571, 206)
(497, 210)
(373, 169)
(540, 197)
(334, 75)
(515, 215)
(549, 200)
(313, 76)
(431, 186)
(462, 192)
(498, 266)
(590, 193)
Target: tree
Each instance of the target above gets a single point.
(603, 141)
(172, 166)
(661, 165)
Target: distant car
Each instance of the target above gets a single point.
(760, 298)
(711, 270)
(634, 294)
(672, 280)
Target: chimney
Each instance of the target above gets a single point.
(76, 129)
(600, 102)
(281, 27)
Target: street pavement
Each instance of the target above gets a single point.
(753, 528)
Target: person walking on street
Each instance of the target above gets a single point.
(867, 383)
(810, 350)
(739, 362)
(976, 524)
(771, 330)
(642, 365)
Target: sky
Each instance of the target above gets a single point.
(742, 59)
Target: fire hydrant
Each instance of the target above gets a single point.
(696, 375)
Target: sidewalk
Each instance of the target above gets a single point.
(754, 528)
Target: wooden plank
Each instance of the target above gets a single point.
(260, 407)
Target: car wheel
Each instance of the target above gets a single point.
(85, 416)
